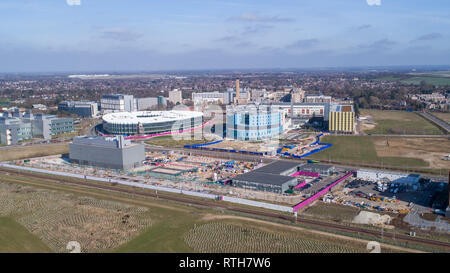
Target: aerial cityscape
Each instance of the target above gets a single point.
(225, 127)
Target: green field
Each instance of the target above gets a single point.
(360, 149)
(13, 153)
(14, 238)
(332, 211)
(444, 116)
(407, 79)
(400, 123)
(168, 141)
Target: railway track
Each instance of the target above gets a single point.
(222, 205)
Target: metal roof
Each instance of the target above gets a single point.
(264, 178)
(316, 167)
(277, 167)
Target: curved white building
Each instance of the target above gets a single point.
(151, 122)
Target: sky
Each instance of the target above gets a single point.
(152, 35)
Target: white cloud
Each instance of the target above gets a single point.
(73, 2)
(373, 2)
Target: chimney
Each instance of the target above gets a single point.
(237, 91)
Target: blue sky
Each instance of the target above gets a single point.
(51, 35)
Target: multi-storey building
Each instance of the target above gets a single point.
(118, 103)
(86, 109)
(253, 122)
(175, 96)
(341, 119)
(16, 129)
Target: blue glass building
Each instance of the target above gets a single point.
(253, 122)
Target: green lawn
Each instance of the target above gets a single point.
(441, 81)
(168, 141)
(360, 149)
(408, 79)
(166, 235)
(14, 238)
(13, 153)
(444, 116)
(400, 123)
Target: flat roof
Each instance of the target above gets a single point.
(314, 166)
(277, 167)
(150, 116)
(264, 178)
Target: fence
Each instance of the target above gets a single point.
(257, 204)
(159, 188)
(320, 193)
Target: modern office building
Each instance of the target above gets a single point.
(175, 96)
(144, 104)
(13, 130)
(341, 119)
(46, 126)
(317, 99)
(303, 109)
(253, 122)
(395, 177)
(208, 97)
(85, 109)
(16, 129)
(151, 122)
(118, 103)
(106, 152)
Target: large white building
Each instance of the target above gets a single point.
(118, 103)
(395, 177)
(175, 96)
(151, 122)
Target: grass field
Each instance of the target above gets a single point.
(168, 141)
(444, 116)
(14, 238)
(400, 123)
(361, 149)
(241, 237)
(22, 152)
(429, 79)
(332, 211)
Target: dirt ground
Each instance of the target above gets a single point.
(263, 146)
(431, 150)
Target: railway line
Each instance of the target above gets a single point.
(222, 205)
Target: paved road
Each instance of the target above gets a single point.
(437, 120)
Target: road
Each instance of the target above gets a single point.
(444, 125)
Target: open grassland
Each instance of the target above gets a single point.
(430, 150)
(432, 79)
(23, 152)
(57, 218)
(444, 116)
(399, 123)
(332, 211)
(361, 149)
(14, 238)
